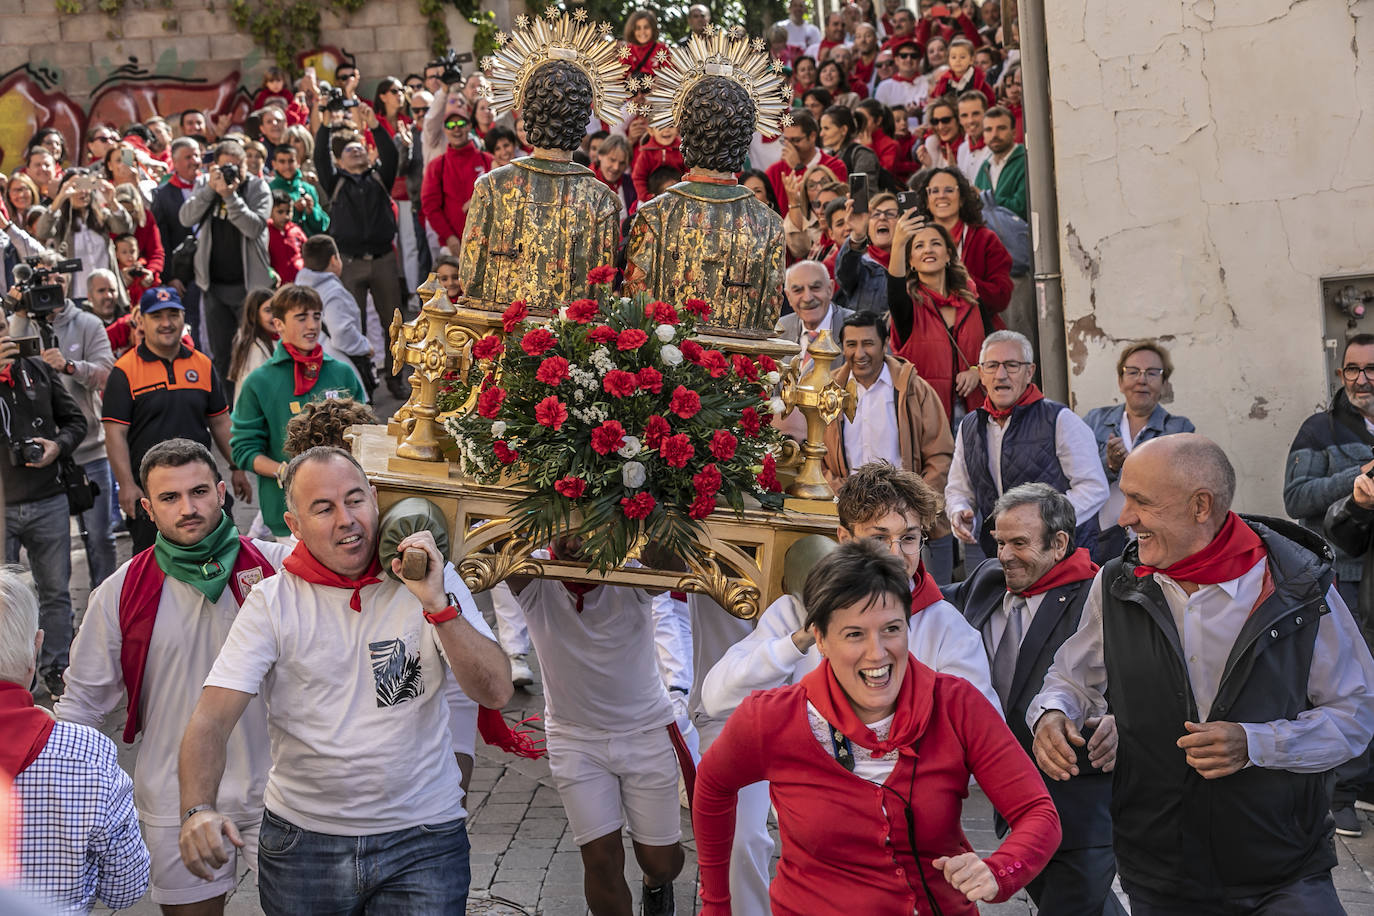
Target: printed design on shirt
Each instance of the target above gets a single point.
(396, 672)
(192, 376)
(248, 578)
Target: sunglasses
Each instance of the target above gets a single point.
(945, 120)
(455, 123)
(421, 112)
(908, 55)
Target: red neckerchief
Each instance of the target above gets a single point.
(24, 728)
(578, 590)
(905, 79)
(975, 143)
(497, 732)
(957, 233)
(138, 601)
(1234, 550)
(914, 702)
(7, 376)
(926, 591)
(1029, 396)
(1076, 567)
(940, 300)
(305, 366)
(302, 563)
(176, 182)
(882, 255)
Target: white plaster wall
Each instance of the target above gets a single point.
(1214, 159)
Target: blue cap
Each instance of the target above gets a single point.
(158, 298)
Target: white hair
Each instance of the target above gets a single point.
(807, 264)
(102, 272)
(996, 337)
(18, 626)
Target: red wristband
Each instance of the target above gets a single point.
(444, 616)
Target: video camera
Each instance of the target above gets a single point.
(40, 293)
(337, 101)
(452, 62)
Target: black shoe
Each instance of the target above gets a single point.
(53, 681)
(657, 901)
(1348, 822)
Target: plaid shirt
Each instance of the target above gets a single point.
(79, 839)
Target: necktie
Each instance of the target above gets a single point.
(1004, 659)
(808, 339)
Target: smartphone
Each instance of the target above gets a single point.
(858, 192)
(29, 346)
(128, 158)
(906, 200)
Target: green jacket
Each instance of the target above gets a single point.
(312, 220)
(1011, 184)
(266, 403)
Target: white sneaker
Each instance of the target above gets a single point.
(520, 673)
(1362, 805)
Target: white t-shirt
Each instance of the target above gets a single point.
(600, 666)
(801, 36)
(187, 635)
(355, 703)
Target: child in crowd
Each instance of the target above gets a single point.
(663, 148)
(342, 316)
(273, 87)
(446, 272)
(287, 176)
(137, 277)
(255, 339)
(284, 239)
(962, 75)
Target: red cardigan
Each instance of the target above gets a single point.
(650, 156)
(447, 188)
(979, 82)
(844, 840)
(989, 265)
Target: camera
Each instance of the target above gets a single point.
(230, 173)
(337, 101)
(452, 64)
(25, 451)
(40, 293)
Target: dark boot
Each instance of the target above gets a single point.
(657, 901)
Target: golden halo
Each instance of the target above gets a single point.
(727, 53)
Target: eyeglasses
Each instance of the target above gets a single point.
(420, 112)
(1131, 372)
(354, 149)
(1013, 366)
(1351, 373)
(105, 138)
(455, 123)
(942, 192)
(945, 120)
(882, 214)
(886, 63)
(909, 544)
(908, 55)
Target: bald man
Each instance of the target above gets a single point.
(1238, 679)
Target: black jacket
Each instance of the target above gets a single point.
(1351, 529)
(37, 405)
(1083, 801)
(167, 201)
(361, 219)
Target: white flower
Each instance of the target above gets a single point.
(498, 429)
(601, 359)
(665, 332)
(632, 474)
(631, 447)
(624, 301)
(579, 395)
(773, 378)
(670, 355)
(563, 313)
(777, 406)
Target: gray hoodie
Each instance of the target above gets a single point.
(342, 316)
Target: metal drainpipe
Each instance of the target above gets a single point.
(1044, 201)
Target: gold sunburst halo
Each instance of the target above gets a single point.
(557, 36)
(728, 53)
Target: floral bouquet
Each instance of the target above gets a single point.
(620, 423)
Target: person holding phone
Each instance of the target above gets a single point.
(83, 222)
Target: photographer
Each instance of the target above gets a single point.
(448, 100)
(231, 208)
(76, 347)
(41, 423)
(82, 223)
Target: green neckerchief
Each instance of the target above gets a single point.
(204, 566)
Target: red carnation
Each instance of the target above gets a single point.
(488, 347)
(723, 445)
(601, 334)
(600, 275)
(620, 383)
(608, 437)
(515, 313)
(744, 367)
(662, 313)
(691, 351)
(676, 450)
(538, 342)
(552, 413)
(655, 430)
(749, 422)
(552, 371)
(489, 402)
(714, 362)
(701, 507)
(504, 453)
(685, 403)
(631, 339)
(571, 487)
(637, 506)
(706, 482)
(650, 379)
(698, 307)
(583, 310)
(766, 363)
(768, 477)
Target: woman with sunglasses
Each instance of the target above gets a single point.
(944, 196)
(940, 148)
(807, 194)
(394, 116)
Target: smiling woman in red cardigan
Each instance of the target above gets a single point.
(867, 757)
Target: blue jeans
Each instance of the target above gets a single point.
(414, 872)
(43, 528)
(98, 522)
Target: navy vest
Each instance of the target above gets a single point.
(1028, 456)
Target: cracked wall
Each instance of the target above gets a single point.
(1215, 158)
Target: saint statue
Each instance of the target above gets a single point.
(707, 236)
(536, 226)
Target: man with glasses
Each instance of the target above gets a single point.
(906, 87)
(99, 139)
(1331, 449)
(800, 152)
(1018, 436)
(449, 180)
(1142, 371)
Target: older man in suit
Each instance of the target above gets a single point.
(1025, 604)
(809, 290)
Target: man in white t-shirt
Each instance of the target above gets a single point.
(610, 733)
(363, 804)
(801, 34)
(152, 631)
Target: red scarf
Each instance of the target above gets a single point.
(908, 722)
(497, 732)
(24, 728)
(905, 79)
(926, 591)
(1029, 396)
(7, 375)
(1233, 552)
(975, 143)
(882, 255)
(940, 300)
(306, 367)
(303, 563)
(1076, 567)
(957, 233)
(138, 601)
(176, 182)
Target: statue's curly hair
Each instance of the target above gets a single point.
(558, 103)
(324, 423)
(717, 125)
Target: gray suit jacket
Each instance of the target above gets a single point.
(789, 327)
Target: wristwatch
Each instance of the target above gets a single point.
(195, 810)
(70, 368)
(448, 613)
